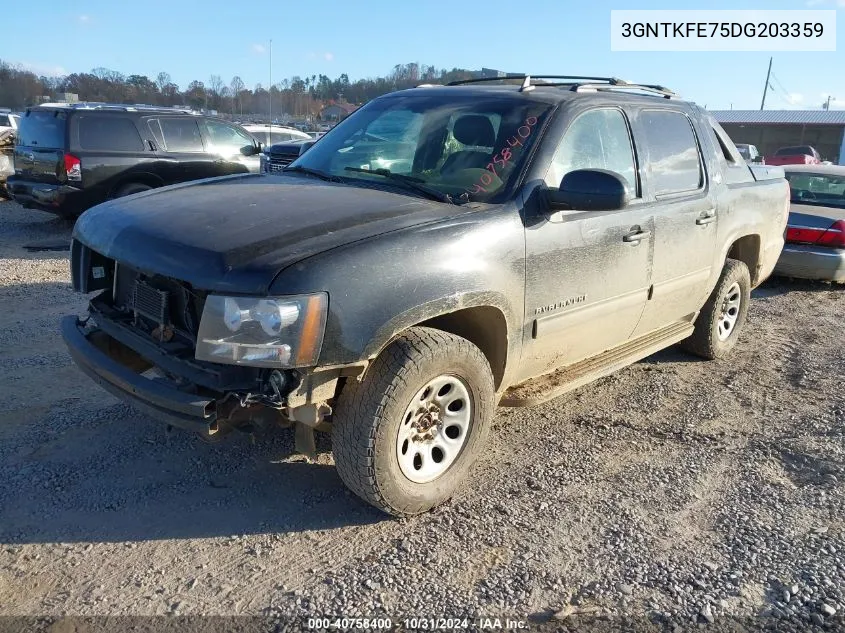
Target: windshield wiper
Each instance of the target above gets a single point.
(313, 172)
(409, 182)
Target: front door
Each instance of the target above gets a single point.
(588, 272)
(685, 216)
(232, 147)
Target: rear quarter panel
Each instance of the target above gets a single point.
(750, 201)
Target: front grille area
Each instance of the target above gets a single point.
(154, 302)
(278, 162)
(150, 302)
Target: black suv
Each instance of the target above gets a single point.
(70, 157)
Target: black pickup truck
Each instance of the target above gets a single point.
(442, 251)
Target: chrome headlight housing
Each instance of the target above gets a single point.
(281, 332)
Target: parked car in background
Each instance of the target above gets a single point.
(272, 134)
(70, 157)
(795, 155)
(516, 235)
(278, 156)
(9, 121)
(749, 153)
(7, 148)
(815, 233)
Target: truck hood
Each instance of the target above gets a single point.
(237, 233)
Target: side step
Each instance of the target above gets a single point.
(548, 386)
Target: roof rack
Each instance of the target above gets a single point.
(576, 83)
(96, 105)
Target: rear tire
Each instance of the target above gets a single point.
(406, 436)
(723, 315)
(133, 187)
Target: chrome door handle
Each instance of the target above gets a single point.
(636, 237)
(706, 218)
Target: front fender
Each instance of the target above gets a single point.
(438, 307)
(380, 286)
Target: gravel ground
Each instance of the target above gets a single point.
(676, 491)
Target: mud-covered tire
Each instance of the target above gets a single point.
(132, 187)
(368, 417)
(706, 340)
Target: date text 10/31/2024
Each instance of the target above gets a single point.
(416, 624)
(504, 157)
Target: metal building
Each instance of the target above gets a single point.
(771, 129)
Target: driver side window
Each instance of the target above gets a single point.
(597, 139)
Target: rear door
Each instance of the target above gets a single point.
(40, 149)
(685, 215)
(110, 149)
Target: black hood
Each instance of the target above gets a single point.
(237, 233)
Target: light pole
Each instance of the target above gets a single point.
(270, 90)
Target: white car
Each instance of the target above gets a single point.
(271, 134)
(9, 121)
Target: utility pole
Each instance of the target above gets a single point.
(766, 87)
(270, 92)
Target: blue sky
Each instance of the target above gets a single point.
(191, 39)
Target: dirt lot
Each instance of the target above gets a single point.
(675, 490)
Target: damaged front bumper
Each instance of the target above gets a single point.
(96, 354)
(207, 400)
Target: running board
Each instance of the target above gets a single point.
(548, 386)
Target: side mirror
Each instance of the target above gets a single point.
(589, 190)
(251, 150)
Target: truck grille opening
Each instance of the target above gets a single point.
(152, 301)
(278, 162)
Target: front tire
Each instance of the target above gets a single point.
(723, 315)
(406, 436)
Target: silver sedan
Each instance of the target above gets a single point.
(815, 233)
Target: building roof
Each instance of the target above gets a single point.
(781, 117)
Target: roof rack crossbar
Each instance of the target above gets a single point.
(530, 77)
(578, 82)
(650, 89)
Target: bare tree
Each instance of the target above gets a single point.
(215, 89)
(162, 80)
(237, 85)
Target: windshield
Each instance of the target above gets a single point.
(821, 189)
(469, 148)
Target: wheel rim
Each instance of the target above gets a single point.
(729, 312)
(434, 429)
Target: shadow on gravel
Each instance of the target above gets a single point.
(107, 474)
(782, 285)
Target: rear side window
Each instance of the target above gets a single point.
(674, 160)
(730, 151)
(155, 130)
(181, 135)
(45, 128)
(261, 137)
(109, 133)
